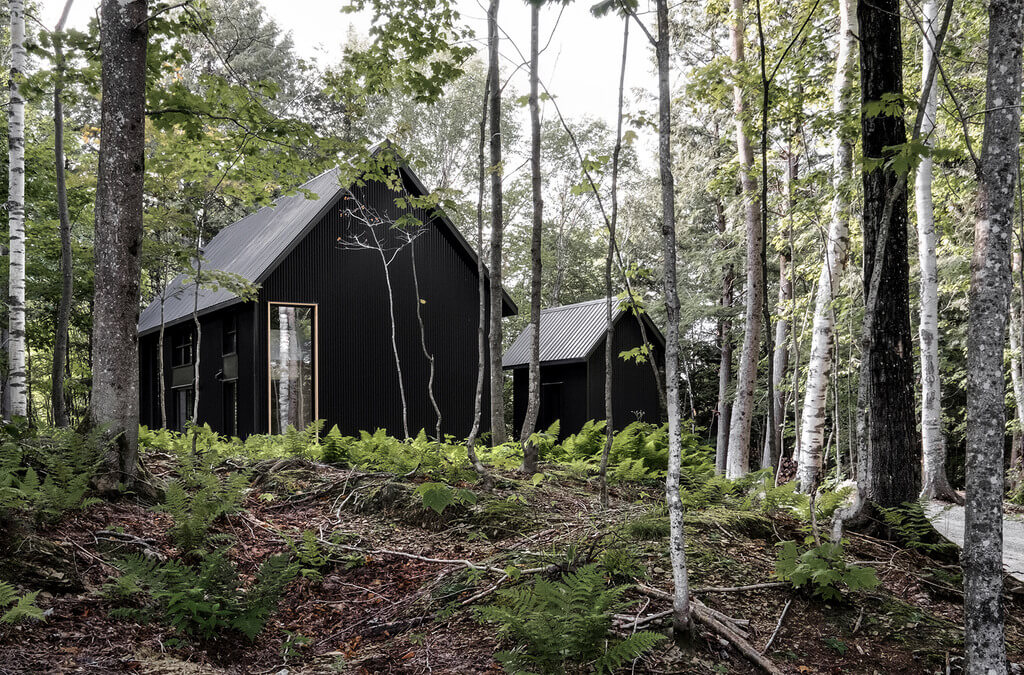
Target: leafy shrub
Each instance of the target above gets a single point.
(823, 569)
(195, 503)
(24, 606)
(310, 554)
(566, 623)
(202, 600)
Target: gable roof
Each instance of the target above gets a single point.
(569, 333)
(254, 246)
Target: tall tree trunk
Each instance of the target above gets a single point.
(1016, 375)
(780, 360)
(935, 484)
(725, 358)
(498, 434)
(161, 376)
(118, 237)
(609, 330)
(481, 329)
(60, 339)
(530, 450)
(819, 365)
(738, 460)
(16, 371)
(991, 284)
(890, 473)
(681, 623)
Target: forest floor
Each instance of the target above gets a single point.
(385, 608)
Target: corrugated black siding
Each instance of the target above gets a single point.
(634, 390)
(211, 389)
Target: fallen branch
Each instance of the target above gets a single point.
(714, 620)
(738, 589)
(778, 627)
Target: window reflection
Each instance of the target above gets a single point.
(291, 367)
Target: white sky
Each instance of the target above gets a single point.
(580, 67)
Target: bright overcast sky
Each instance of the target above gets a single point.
(580, 67)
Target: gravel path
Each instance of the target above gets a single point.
(948, 519)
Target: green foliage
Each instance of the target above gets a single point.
(823, 569)
(43, 476)
(651, 527)
(303, 444)
(24, 606)
(205, 599)
(196, 502)
(311, 554)
(438, 496)
(620, 563)
(912, 527)
(334, 449)
(553, 626)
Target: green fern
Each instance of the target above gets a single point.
(195, 510)
(24, 606)
(334, 447)
(554, 625)
(203, 599)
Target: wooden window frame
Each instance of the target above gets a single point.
(316, 359)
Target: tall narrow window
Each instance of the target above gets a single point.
(292, 353)
(181, 354)
(230, 341)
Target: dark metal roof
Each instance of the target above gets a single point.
(568, 333)
(253, 247)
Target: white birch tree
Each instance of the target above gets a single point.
(819, 365)
(16, 214)
(935, 484)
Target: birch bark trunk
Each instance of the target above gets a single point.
(819, 365)
(991, 284)
(935, 484)
(118, 237)
(738, 459)
(16, 371)
(498, 433)
(530, 450)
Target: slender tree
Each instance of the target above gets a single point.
(482, 293)
(533, 400)
(609, 262)
(738, 459)
(17, 370)
(837, 244)
(60, 339)
(935, 484)
(677, 537)
(118, 237)
(991, 284)
(724, 407)
(498, 434)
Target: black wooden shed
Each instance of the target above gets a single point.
(318, 340)
(572, 354)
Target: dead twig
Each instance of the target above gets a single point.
(778, 627)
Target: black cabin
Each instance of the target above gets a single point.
(317, 341)
(572, 352)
